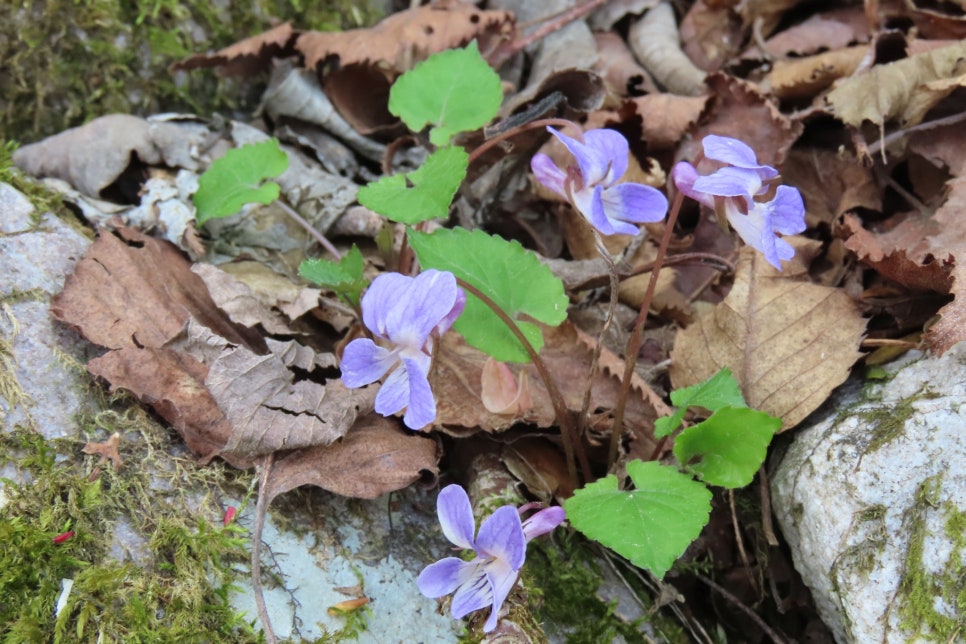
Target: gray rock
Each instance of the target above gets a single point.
(872, 501)
(40, 389)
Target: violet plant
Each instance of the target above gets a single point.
(500, 547)
(488, 289)
(409, 314)
(744, 193)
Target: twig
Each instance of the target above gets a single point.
(261, 508)
(885, 141)
(611, 313)
(570, 441)
(503, 136)
(558, 21)
(319, 237)
(637, 335)
(740, 540)
(766, 523)
(772, 635)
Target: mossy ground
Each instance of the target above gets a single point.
(68, 61)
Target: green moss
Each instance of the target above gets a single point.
(920, 588)
(179, 592)
(68, 61)
(563, 582)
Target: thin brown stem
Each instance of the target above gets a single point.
(608, 321)
(319, 237)
(261, 508)
(532, 125)
(554, 23)
(734, 601)
(637, 335)
(570, 440)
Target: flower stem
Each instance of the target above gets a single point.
(567, 431)
(611, 312)
(532, 125)
(637, 335)
(319, 237)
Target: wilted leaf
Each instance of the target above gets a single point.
(173, 385)
(406, 36)
(269, 410)
(238, 301)
(788, 342)
(375, 457)
(903, 90)
(246, 57)
(107, 451)
(131, 290)
(654, 40)
(540, 465)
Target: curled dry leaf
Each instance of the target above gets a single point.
(131, 290)
(406, 37)
(107, 451)
(902, 91)
(788, 342)
(654, 40)
(375, 457)
(710, 34)
(458, 374)
(826, 31)
(246, 57)
(500, 391)
(540, 465)
(617, 66)
(799, 78)
(93, 156)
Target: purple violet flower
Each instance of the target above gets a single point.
(743, 192)
(407, 313)
(591, 186)
(501, 548)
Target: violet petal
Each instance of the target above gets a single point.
(501, 578)
(634, 202)
(380, 298)
(473, 594)
(547, 173)
(363, 362)
(684, 175)
(456, 516)
(737, 153)
(730, 182)
(416, 311)
(421, 408)
(394, 393)
(501, 536)
(543, 522)
(613, 148)
(788, 211)
(443, 577)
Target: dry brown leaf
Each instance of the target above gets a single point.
(540, 465)
(654, 41)
(93, 156)
(665, 118)
(826, 31)
(500, 391)
(831, 184)
(744, 112)
(800, 78)
(246, 57)
(616, 65)
(903, 90)
(269, 410)
(407, 37)
(710, 35)
(459, 369)
(131, 290)
(788, 342)
(107, 451)
(238, 301)
(375, 457)
(935, 24)
(273, 289)
(173, 385)
(766, 13)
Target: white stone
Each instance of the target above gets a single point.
(855, 494)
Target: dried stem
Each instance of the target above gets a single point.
(532, 125)
(611, 312)
(734, 601)
(567, 430)
(319, 237)
(554, 23)
(261, 508)
(637, 335)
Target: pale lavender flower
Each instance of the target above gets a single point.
(743, 192)
(406, 313)
(501, 549)
(591, 186)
